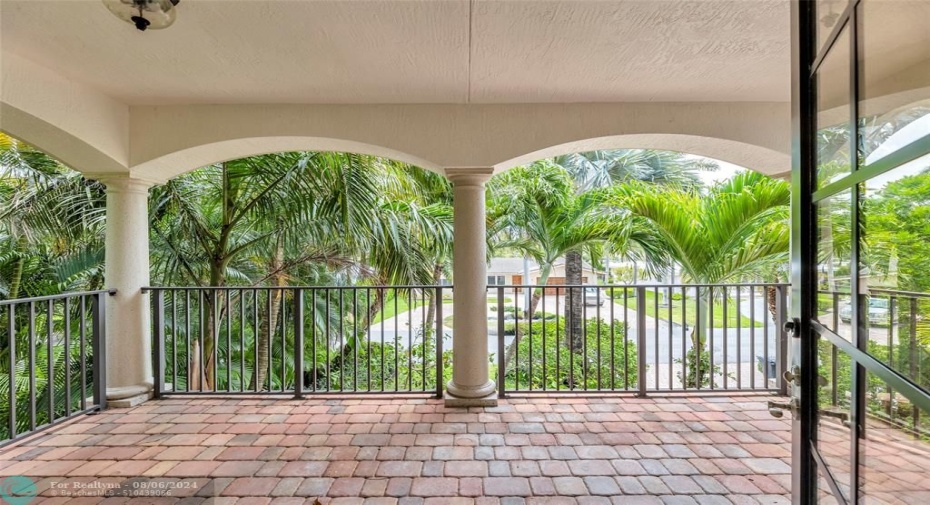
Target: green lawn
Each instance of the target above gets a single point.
(691, 311)
(389, 311)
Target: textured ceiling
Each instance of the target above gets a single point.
(416, 51)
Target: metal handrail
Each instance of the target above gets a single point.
(75, 322)
(60, 296)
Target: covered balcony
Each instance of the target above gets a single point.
(461, 389)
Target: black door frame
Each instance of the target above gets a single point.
(806, 59)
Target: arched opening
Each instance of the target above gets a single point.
(750, 156)
(179, 162)
(597, 244)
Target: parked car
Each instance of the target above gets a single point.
(592, 296)
(878, 311)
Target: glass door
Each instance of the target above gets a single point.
(860, 369)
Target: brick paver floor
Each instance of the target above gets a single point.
(711, 450)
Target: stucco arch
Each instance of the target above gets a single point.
(56, 142)
(168, 140)
(179, 162)
(754, 157)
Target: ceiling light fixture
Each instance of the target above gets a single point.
(144, 14)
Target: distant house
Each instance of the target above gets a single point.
(509, 271)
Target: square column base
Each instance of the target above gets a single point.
(132, 401)
(481, 401)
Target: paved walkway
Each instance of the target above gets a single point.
(713, 450)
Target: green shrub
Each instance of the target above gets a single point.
(608, 360)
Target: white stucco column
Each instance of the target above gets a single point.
(471, 384)
(129, 349)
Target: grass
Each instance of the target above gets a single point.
(691, 311)
(388, 311)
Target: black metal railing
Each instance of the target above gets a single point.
(53, 360)
(643, 338)
(300, 340)
(895, 328)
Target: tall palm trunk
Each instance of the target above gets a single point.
(434, 301)
(538, 293)
(270, 322)
(574, 305)
(771, 298)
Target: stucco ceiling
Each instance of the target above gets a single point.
(415, 51)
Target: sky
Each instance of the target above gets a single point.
(725, 171)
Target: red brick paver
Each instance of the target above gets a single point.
(555, 450)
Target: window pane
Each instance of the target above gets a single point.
(490, 280)
(894, 76)
(894, 274)
(833, 113)
(895, 453)
(828, 15)
(834, 252)
(834, 436)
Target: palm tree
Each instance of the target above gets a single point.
(737, 230)
(51, 224)
(235, 221)
(598, 169)
(601, 169)
(536, 210)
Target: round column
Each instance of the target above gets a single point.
(471, 384)
(128, 339)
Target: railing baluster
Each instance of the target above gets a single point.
(781, 357)
(99, 346)
(83, 351)
(739, 340)
(710, 335)
(698, 343)
(440, 336)
(67, 339)
(158, 320)
(187, 334)
(368, 335)
(410, 321)
(355, 337)
(641, 339)
(626, 338)
(501, 351)
(32, 366)
(298, 343)
(50, 358)
(613, 340)
(242, 293)
(543, 336)
(229, 361)
(726, 322)
(752, 335)
(671, 323)
(174, 339)
(558, 343)
(529, 342)
(313, 337)
(397, 342)
(282, 304)
(271, 329)
(11, 346)
(684, 338)
(765, 343)
(256, 337)
(655, 351)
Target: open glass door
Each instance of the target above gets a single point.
(860, 369)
